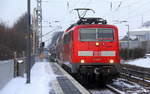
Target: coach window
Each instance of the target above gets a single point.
(59, 40)
(67, 38)
(71, 35)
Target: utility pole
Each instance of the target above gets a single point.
(128, 41)
(28, 43)
(142, 20)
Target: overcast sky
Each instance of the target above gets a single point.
(129, 10)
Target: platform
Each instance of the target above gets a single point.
(66, 84)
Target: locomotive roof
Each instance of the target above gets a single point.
(88, 21)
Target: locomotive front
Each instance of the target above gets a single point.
(96, 49)
(91, 48)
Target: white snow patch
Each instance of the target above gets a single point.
(142, 62)
(101, 92)
(41, 80)
(130, 87)
(20, 61)
(123, 84)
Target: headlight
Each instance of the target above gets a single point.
(82, 61)
(97, 44)
(111, 61)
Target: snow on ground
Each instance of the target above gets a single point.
(41, 80)
(129, 87)
(104, 91)
(142, 62)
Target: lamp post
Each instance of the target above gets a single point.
(28, 43)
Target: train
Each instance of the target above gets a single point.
(90, 49)
(52, 46)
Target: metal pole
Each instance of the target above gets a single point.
(128, 42)
(15, 61)
(39, 21)
(29, 44)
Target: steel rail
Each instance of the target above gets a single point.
(108, 88)
(137, 74)
(117, 91)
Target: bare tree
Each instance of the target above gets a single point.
(13, 39)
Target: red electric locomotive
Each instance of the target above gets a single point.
(90, 47)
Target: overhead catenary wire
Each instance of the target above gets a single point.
(88, 3)
(134, 16)
(135, 11)
(78, 1)
(118, 7)
(140, 6)
(54, 30)
(131, 4)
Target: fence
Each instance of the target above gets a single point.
(10, 69)
(6, 72)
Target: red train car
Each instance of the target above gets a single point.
(90, 47)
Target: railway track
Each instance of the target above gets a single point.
(133, 79)
(129, 87)
(108, 89)
(121, 86)
(115, 90)
(96, 88)
(136, 74)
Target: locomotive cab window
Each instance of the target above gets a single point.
(105, 34)
(96, 34)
